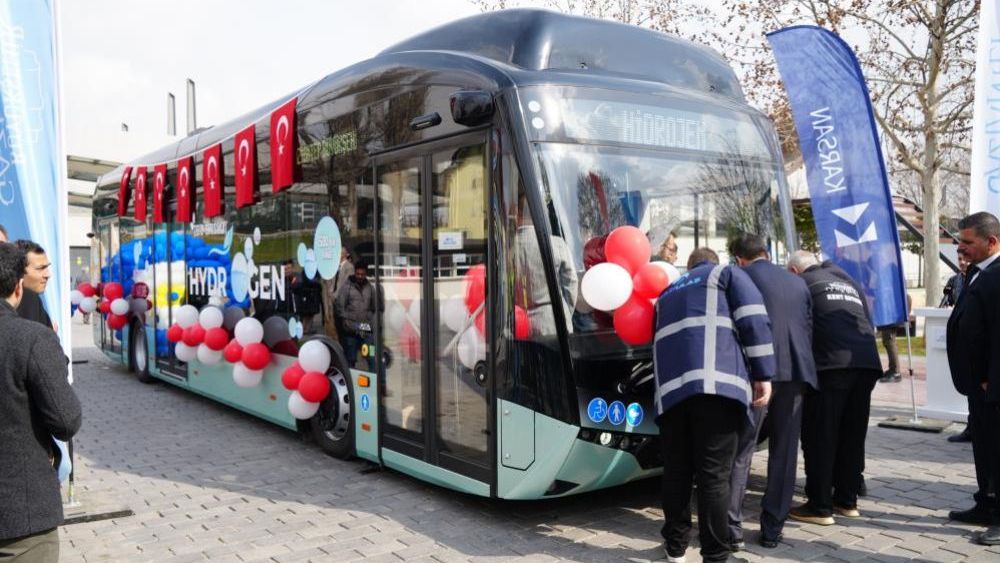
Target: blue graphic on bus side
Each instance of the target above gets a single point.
(616, 413)
(365, 403)
(597, 410)
(633, 414)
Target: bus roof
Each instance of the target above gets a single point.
(506, 47)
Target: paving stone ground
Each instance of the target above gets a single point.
(207, 482)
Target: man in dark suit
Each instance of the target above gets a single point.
(789, 307)
(36, 279)
(974, 359)
(36, 403)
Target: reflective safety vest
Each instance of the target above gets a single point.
(712, 337)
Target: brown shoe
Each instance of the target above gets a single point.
(846, 511)
(805, 513)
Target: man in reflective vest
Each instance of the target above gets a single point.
(713, 357)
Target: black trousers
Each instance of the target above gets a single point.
(698, 437)
(785, 415)
(834, 428)
(984, 422)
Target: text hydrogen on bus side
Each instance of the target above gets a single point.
(266, 282)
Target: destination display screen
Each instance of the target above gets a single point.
(554, 116)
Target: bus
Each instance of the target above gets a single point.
(492, 154)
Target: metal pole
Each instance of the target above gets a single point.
(909, 361)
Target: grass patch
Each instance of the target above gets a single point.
(919, 346)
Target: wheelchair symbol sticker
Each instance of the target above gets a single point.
(365, 403)
(597, 410)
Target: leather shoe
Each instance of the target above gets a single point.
(963, 436)
(770, 542)
(990, 537)
(974, 515)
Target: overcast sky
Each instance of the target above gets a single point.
(120, 58)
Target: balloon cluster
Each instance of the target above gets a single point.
(623, 280)
(115, 305)
(84, 297)
(307, 380)
(199, 335)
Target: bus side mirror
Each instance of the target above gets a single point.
(471, 107)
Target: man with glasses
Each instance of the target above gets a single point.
(36, 279)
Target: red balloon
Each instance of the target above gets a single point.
(105, 306)
(216, 338)
(113, 290)
(193, 335)
(117, 322)
(291, 376)
(409, 340)
(256, 356)
(86, 289)
(522, 323)
(481, 323)
(475, 287)
(233, 352)
(314, 386)
(175, 334)
(628, 247)
(634, 321)
(593, 252)
(650, 281)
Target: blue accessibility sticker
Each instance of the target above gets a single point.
(366, 403)
(633, 414)
(597, 410)
(616, 413)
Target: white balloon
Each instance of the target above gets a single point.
(208, 356)
(454, 313)
(186, 316)
(301, 408)
(275, 330)
(119, 306)
(184, 352)
(88, 305)
(249, 331)
(210, 317)
(246, 377)
(395, 316)
(314, 356)
(606, 286)
(471, 348)
(75, 297)
(672, 272)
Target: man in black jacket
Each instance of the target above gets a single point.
(36, 279)
(974, 358)
(835, 418)
(36, 403)
(789, 307)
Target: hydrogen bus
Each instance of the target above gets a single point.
(500, 149)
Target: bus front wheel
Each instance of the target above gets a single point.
(333, 425)
(139, 354)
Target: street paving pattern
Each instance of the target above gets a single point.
(207, 482)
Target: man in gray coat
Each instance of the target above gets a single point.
(36, 404)
(356, 313)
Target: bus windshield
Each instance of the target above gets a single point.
(686, 179)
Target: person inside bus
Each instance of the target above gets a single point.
(356, 307)
(36, 403)
(306, 298)
(36, 279)
(666, 250)
(531, 288)
(714, 361)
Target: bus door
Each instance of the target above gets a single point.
(109, 266)
(430, 268)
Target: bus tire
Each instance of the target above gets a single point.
(333, 425)
(139, 353)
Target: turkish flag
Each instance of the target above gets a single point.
(184, 168)
(284, 140)
(211, 180)
(159, 186)
(140, 194)
(124, 193)
(245, 154)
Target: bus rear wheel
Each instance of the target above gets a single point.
(333, 425)
(138, 353)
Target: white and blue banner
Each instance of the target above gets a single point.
(33, 199)
(984, 186)
(848, 187)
